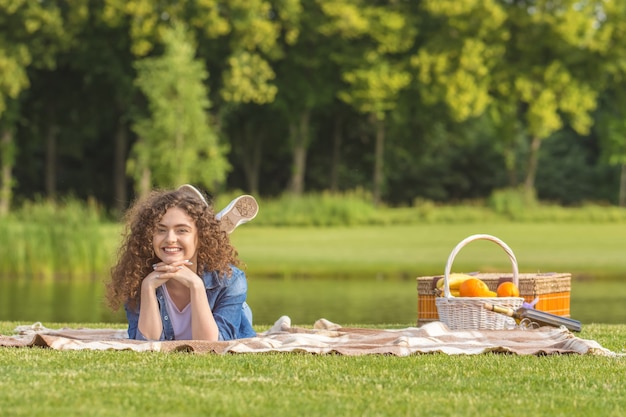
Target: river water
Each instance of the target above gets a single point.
(345, 301)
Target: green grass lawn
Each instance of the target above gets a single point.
(413, 250)
(43, 382)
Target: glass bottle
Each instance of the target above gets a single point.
(530, 316)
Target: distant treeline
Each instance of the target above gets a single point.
(441, 101)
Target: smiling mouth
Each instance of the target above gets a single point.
(172, 250)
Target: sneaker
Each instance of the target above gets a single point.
(191, 190)
(239, 211)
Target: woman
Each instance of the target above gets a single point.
(177, 273)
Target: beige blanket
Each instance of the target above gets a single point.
(326, 337)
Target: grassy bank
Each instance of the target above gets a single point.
(338, 235)
(587, 250)
(41, 382)
(591, 250)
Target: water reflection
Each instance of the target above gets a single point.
(345, 301)
(58, 301)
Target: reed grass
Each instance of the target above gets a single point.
(47, 239)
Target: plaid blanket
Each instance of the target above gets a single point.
(326, 337)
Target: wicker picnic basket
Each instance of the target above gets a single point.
(467, 313)
(551, 289)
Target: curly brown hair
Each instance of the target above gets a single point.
(136, 255)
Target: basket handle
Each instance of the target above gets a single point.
(460, 245)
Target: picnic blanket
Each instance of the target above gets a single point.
(325, 337)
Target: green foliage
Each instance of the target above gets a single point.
(569, 173)
(33, 33)
(177, 142)
(147, 19)
(512, 202)
(375, 89)
(551, 92)
(247, 80)
(429, 212)
(372, 75)
(565, 85)
(319, 69)
(499, 62)
(613, 135)
(246, 26)
(354, 208)
(457, 69)
(320, 209)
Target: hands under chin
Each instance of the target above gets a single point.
(178, 271)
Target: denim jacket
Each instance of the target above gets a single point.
(227, 299)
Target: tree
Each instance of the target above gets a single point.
(404, 98)
(374, 91)
(32, 34)
(177, 143)
(611, 125)
(525, 62)
(547, 71)
(305, 81)
(371, 67)
(104, 56)
(235, 40)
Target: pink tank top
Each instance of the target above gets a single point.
(180, 319)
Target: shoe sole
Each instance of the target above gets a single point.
(240, 211)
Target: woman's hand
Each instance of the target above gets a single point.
(178, 271)
(203, 326)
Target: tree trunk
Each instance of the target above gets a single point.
(142, 175)
(379, 161)
(509, 163)
(622, 187)
(300, 137)
(119, 168)
(533, 159)
(255, 166)
(251, 157)
(51, 162)
(145, 183)
(181, 170)
(336, 156)
(7, 159)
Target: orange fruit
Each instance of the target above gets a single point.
(507, 289)
(473, 287)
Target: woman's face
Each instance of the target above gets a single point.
(176, 237)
